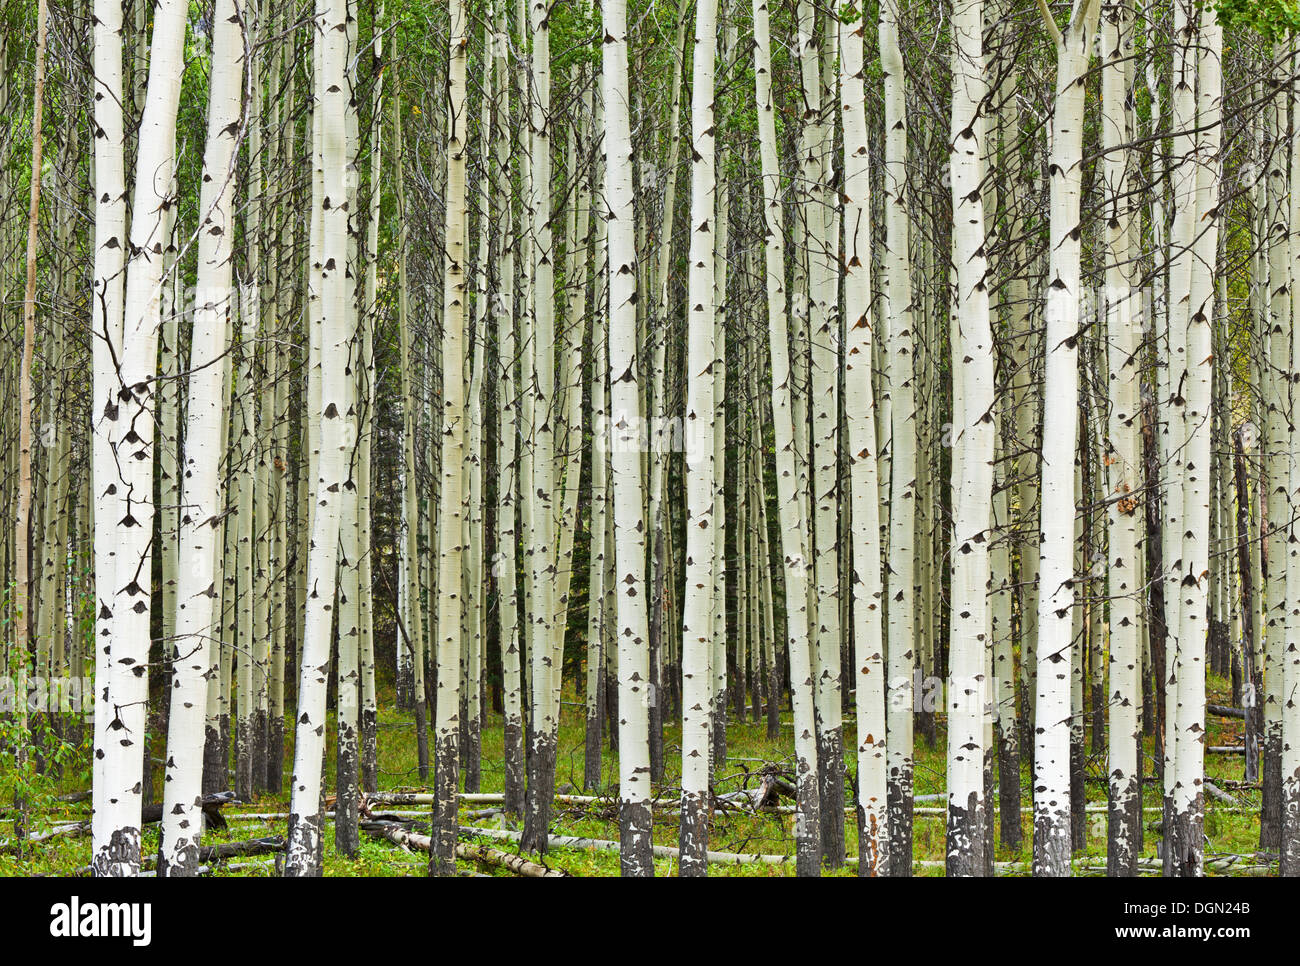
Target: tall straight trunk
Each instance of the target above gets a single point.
(505, 567)
(702, 511)
(659, 460)
(1060, 437)
(306, 821)
(973, 442)
(718, 524)
(1123, 457)
(116, 851)
(635, 823)
(900, 580)
(1276, 400)
(599, 618)
(1185, 835)
(106, 348)
(241, 499)
(369, 321)
(546, 415)
(348, 681)
(1287, 663)
(413, 632)
(823, 402)
(23, 522)
(859, 409)
(178, 848)
(442, 857)
(1287, 666)
(794, 522)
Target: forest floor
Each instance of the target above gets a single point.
(1229, 829)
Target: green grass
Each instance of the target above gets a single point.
(748, 747)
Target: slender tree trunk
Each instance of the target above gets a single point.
(794, 524)
(630, 585)
(442, 856)
(306, 821)
(196, 618)
(702, 511)
(1060, 436)
(1123, 458)
(117, 849)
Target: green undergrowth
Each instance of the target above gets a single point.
(1227, 830)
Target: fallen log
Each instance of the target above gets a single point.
(229, 850)
(1218, 794)
(1223, 711)
(71, 829)
(398, 834)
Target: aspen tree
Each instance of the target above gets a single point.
(505, 566)
(106, 348)
(1060, 436)
(699, 427)
(598, 614)
(368, 375)
(1192, 293)
(201, 490)
(721, 309)
(541, 426)
(117, 849)
(442, 857)
(23, 522)
(897, 303)
(823, 402)
(1274, 463)
(1287, 666)
(635, 823)
(794, 527)
(303, 851)
(413, 632)
(659, 458)
(1177, 313)
(973, 452)
(1123, 466)
(868, 637)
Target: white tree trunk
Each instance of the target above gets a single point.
(303, 853)
(1123, 456)
(202, 488)
(442, 857)
(973, 439)
(106, 348)
(859, 411)
(701, 510)
(794, 522)
(629, 522)
(117, 849)
(1060, 438)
